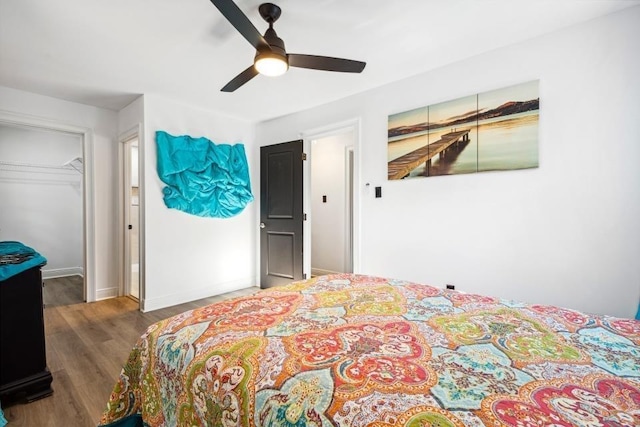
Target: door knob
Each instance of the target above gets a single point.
(262, 225)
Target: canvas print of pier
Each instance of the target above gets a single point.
(490, 131)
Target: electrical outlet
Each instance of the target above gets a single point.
(450, 286)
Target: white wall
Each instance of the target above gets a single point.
(103, 126)
(328, 220)
(41, 200)
(566, 233)
(189, 257)
(131, 116)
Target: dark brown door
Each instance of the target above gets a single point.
(281, 214)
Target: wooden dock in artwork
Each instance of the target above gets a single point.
(403, 165)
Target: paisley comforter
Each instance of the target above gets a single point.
(351, 350)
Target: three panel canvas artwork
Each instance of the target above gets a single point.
(490, 131)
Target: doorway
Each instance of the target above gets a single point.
(281, 214)
(331, 194)
(131, 217)
(302, 216)
(75, 175)
(345, 163)
(88, 197)
(41, 192)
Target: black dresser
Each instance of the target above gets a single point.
(23, 361)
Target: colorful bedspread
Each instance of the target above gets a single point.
(349, 350)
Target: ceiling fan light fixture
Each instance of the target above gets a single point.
(271, 58)
(270, 64)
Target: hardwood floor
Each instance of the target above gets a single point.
(87, 345)
(63, 291)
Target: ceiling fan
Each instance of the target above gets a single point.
(271, 57)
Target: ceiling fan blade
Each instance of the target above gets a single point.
(326, 63)
(240, 79)
(240, 21)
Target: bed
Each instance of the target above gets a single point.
(355, 350)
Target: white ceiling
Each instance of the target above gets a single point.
(106, 53)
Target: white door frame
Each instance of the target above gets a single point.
(126, 215)
(350, 161)
(88, 202)
(124, 182)
(352, 125)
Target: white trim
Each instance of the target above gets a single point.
(126, 217)
(89, 218)
(88, 209)
(333, 129)
(129, 134)
(181, 297)
(352, 125)
(141, 212)
(54, 273)
(348, 207)
(124, 180)
(120, 219)
(107, 293)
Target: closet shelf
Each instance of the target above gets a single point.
(72, 167)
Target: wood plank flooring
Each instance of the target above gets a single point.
(87, 345)
(63, 291)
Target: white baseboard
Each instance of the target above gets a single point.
(322, 272)
(62, 272)
(150, 304)
(106, 293)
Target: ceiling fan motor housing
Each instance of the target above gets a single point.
(275, 42)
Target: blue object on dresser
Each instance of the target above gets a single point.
(203, 178)
(3, 421)
(16, 258)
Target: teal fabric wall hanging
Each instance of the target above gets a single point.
(203, 178)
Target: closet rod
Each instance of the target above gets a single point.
(10, 165)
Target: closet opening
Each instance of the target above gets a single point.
(42, 192)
